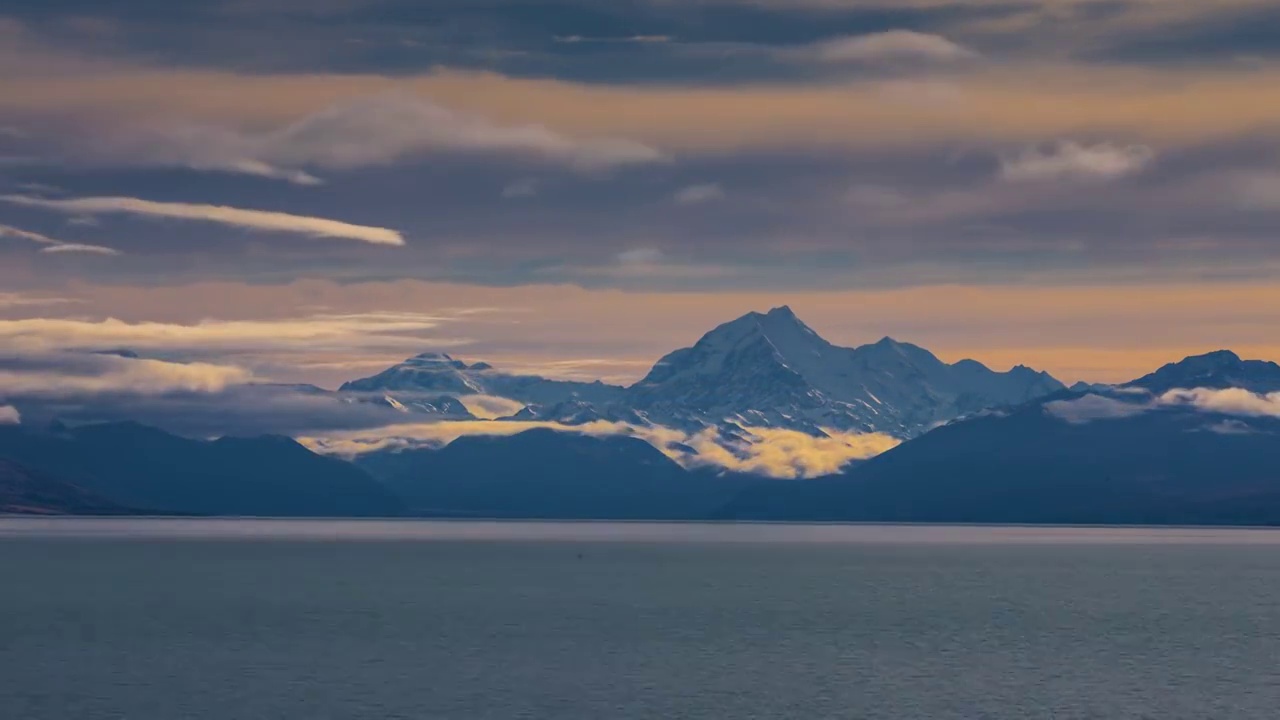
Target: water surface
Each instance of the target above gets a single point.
(249, 619)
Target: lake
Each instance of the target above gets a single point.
(263, 619)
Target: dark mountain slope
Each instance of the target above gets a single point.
(547, 474)
(1172, 465)
(25, 492)
(142, 467)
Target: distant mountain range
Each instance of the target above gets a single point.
(1196, 441)
(1090, 459)
(761, 370)
(1215, 370)
(440, 375)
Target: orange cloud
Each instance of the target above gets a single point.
(1092, 332)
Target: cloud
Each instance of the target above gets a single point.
(236, 217)
(9, 415)
(80, 248)
(640, 39)
(1224, 401)
(1103, 161)
(13, 232)
(771, 452)
(699, 194)
(644, 263)
(889, 46)
(641, 256)
(1052, 97)
(12, 300)
(52, 245)
(1099, 330)
(1094, 407)
(787, 453)
(259, 169)
(314, 333)
(523, 188)
(1256, 190)
(236, 409)
(384, 128)
(1230, 427)
(70, 374)
(1228, 401)
(490, 407)
(367, 131)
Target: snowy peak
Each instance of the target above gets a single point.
(440, 362)
(428, 372)
(771, 369)
(754, 344)
(1218, 369)
(763, 369)
(428, 377)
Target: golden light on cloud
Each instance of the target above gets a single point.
(772, 452)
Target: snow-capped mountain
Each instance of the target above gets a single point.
(773, 370)
(1216, 370)
(438, 374)
(761, 370)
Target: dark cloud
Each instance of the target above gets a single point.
(500, 200)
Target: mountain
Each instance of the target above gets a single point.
(577, 412)
(25, 492)
(1067, 459)
(546, 474)
(772, 370)
(139, 466)
(439, 374)
(1215, 370)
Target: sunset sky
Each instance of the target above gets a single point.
(310, 190)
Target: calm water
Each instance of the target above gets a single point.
(259, 620)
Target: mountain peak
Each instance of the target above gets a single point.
(1217, 369)
(782, 311)
(1217, 357)
(433, 357)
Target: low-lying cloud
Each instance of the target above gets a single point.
(787, 453)
(1094, 407)
(1228, 401)
(490, 407)
(71, 374)
(770, 452)
(1222, 401)
(9, 415)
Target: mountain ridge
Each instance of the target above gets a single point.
(765, 369)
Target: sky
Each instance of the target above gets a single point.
(311, 190)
